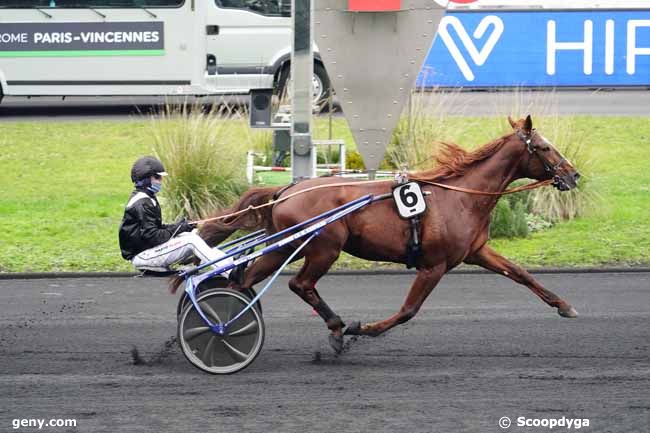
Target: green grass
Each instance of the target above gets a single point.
(63, 188)
(273, 178)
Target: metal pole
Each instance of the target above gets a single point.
(303, 155)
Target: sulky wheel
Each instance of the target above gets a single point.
(251, 293)
(217, 282)
(216, 353)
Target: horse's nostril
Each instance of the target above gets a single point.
(576, 176)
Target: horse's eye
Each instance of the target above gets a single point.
(545, 149)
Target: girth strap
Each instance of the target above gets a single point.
(414, 245)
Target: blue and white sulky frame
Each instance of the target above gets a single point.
(308, 229)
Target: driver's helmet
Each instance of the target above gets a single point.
(146, 167)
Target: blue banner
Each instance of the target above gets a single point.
(536, 49)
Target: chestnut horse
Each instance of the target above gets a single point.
(455, 226)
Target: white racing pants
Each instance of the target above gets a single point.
(178, 250)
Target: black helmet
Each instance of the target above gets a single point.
(146, 167)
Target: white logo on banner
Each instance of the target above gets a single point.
(478, 56)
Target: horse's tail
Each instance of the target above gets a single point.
(217, 230)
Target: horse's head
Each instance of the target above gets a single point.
(542, 160)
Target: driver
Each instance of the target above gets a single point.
(148, 243)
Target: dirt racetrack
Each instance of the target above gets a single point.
(482, 348)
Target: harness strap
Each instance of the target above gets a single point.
(366, 182)
(281, 191)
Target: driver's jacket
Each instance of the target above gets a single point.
(142, 226)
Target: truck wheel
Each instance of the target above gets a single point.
(320, 80)
(322, 85)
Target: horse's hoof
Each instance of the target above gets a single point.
(353, 329)
(569, 312)
(336, 341)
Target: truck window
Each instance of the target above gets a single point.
(272, 8)
(79, 4)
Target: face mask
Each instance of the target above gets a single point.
(155, 188)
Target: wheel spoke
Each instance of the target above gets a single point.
(207, 352)
(245, 330)
(194, 332)
(235, 353)
(234, 306)
(209, 311)
(229, 314)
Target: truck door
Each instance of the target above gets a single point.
(68, 49)
(248, 37)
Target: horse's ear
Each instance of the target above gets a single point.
(528, 124)
(512, 123)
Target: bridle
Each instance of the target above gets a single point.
(533, 149)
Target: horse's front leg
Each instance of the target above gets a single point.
(424, 283)
(489, 259)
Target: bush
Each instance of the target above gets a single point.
(519, 221)
(353, 161)
(536, 223)
(508, 222)
(501, 224)
(522, 197)
(203, 156)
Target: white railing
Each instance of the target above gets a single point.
(328, 168)
(338, 169)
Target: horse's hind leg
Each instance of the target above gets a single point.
(262, 268)
(317, 263)
(487, 258)
(424, 283)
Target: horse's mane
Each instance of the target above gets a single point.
(454, 161)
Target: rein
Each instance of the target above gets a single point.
(533, 185)
(281, 199)
(529, 186)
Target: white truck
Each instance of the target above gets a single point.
(145, 47)
(119, 47)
